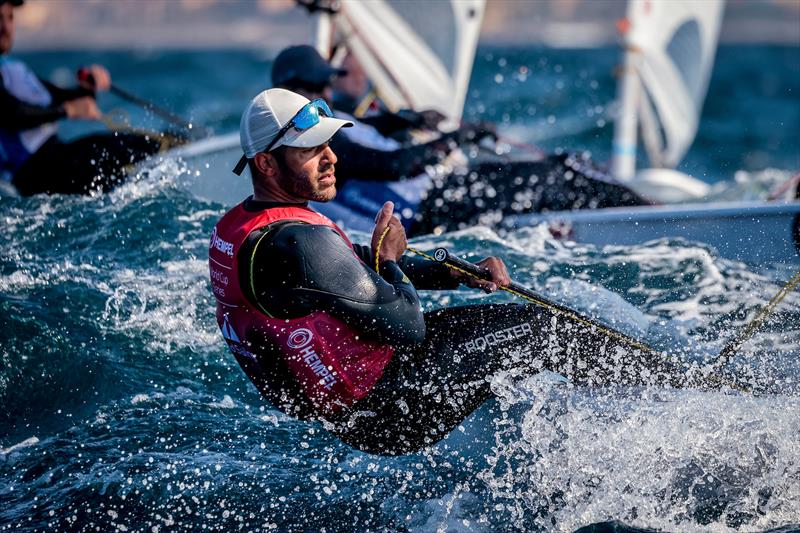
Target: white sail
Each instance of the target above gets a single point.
(417, 54)
(670, 53)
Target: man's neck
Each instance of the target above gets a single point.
(252, 205)
(268, 196)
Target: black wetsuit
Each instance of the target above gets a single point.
(443, 360)
(395, 125)
(92, 163)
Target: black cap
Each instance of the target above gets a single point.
(15, 3)
(302, 64)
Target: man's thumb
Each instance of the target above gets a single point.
(383, 216)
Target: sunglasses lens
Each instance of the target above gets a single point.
(306, 117)
(322, 107)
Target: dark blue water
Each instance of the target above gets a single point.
(121, 408)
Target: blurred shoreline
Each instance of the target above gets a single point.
(272, 24)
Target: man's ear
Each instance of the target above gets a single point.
(266, 163)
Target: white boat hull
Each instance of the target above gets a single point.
(753, 232)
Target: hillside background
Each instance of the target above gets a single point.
(273, 24)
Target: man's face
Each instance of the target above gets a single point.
(309, 173)
(354, 83)
(6, 27)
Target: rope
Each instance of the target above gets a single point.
(553, 308)
(363, 106)
(117, 119)
(378, 249)
(727, 352)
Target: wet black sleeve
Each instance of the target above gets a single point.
(389, 123)
(426, 275)
(61, 95)
(363, 163)
(298, 268)
(16, 115)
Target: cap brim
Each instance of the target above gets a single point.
(325, 75)
(319, 134)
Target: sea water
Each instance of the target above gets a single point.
(121, 409)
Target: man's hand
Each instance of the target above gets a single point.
(94, 78)
(395, 243)
(82, 108)
(430, 119)
(498, 271)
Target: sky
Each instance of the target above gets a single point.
(273, 24)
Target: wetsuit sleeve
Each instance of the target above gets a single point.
(426, 275)
(16, 115)
(60, 95)
(297, 268)
(388, 123)
(362, 163)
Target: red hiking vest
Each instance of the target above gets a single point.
(333, 366)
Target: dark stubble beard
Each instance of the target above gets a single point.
(301, 185)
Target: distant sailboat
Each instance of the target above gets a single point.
(669, 54)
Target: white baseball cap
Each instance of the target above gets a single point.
(267, 114)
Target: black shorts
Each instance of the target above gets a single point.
(429, 389)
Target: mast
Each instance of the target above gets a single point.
(324, 33)
(623, 163)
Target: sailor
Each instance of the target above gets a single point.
(324, 336)
(434, 185)
(30, 153)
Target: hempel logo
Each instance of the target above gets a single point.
(299, 340)
(223, 246)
